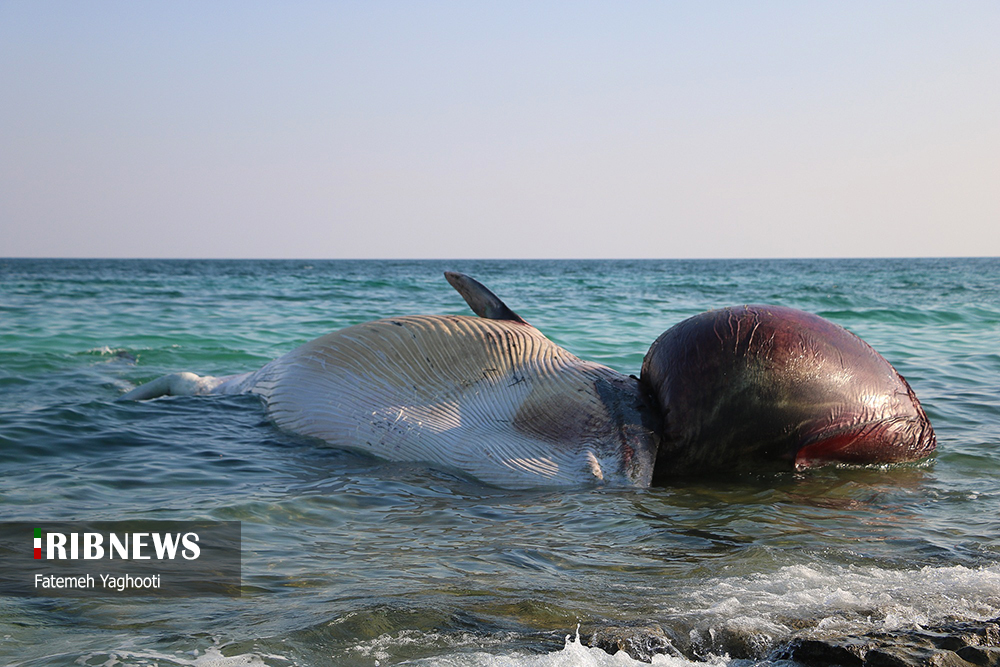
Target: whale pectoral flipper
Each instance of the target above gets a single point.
(483, 302)
(182, 384)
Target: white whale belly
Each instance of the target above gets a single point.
(493, 399)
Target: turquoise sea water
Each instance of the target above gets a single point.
(348, 560)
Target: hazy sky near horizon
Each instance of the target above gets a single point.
(499, 129)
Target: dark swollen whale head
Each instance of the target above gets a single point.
(770, 388)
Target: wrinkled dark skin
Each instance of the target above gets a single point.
(773, 388)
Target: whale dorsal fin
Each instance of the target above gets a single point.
(482, 301)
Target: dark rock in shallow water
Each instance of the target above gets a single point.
(950, 645)
(988, 656)
(816, 652)
(907, 657)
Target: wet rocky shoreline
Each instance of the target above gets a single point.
(958, 644)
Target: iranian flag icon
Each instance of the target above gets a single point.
(38, 542)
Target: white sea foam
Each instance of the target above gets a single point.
(211, 657)
(801, 600)
(572, 654)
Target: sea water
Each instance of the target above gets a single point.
(348, 560)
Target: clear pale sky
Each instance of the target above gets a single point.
(465, 129)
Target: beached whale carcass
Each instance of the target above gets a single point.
(749, 388)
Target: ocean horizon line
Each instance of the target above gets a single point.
(498, 259)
